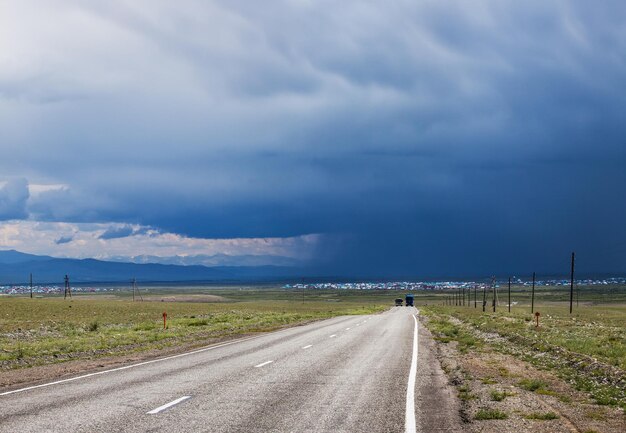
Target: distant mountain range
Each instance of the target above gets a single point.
(15, 268)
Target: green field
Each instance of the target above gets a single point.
(586, 348)
(50, 330)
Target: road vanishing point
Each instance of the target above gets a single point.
(328, 376)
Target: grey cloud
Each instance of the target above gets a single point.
(13, 197)
(117, 232)
(64, 240)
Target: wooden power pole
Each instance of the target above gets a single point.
(571, 286)
(68, 289)
(484, 296)
(495, 294)
(136, 290)
(532, 296)
(509, 294)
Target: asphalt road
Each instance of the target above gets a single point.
(346, 374)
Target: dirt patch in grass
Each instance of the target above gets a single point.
(184, 298)
(500, 393)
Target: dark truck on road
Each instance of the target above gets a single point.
(409, 300)
(399, 302)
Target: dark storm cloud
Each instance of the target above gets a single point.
(424, 137)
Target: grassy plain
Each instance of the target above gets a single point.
(587, 349)
(50, 330)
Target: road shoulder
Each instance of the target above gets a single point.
(437, 407)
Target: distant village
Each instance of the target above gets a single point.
(447, 285)
(51, 290)
(392, 285)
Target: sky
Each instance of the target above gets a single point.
(398, 138)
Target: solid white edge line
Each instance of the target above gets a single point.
(409, 420)
(262, 364)
(139, 364)
(307, 346)
(168, 405)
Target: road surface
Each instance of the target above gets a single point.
(347, 374)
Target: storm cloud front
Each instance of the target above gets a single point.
(407, 138)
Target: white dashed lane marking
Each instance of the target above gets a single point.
(168, 405)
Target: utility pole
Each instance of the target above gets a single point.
(509, 294)
(532, 296)
(493, 286)
(484, 296)
(475, 295)
(68, 289)
(571, 289)
(136, 289)
(31, 286)
(464, 296)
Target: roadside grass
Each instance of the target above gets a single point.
(446, 331)
(547, 416)
(532, 384)
(587, 349)
(489, 414)
(465, 393)
(596, 414)
(600, 334)
(51, 330)
(500, 395)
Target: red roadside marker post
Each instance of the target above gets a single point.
(164, 320)
(537, 318)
